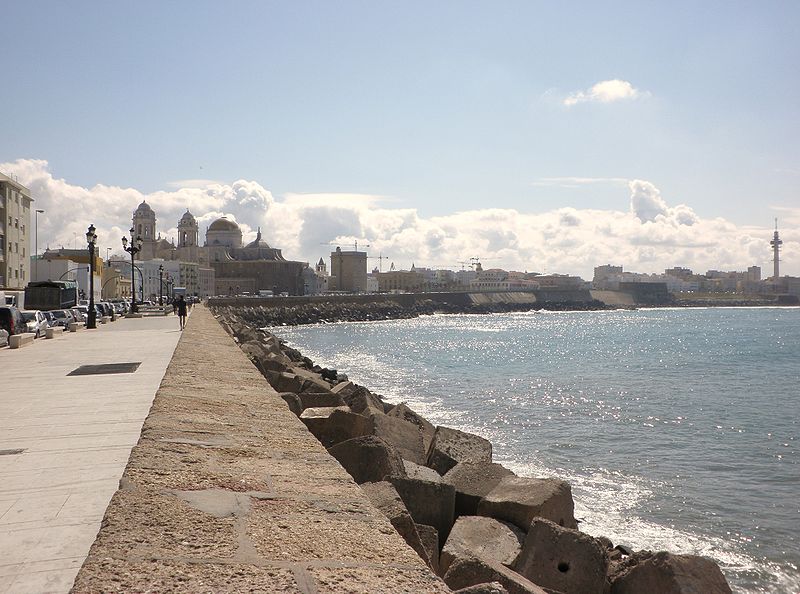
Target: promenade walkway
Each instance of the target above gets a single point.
(65, 441)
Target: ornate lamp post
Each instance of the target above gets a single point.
(91, 239)
(161, 284)
(133, 249)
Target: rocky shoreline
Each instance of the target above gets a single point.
(476, 524)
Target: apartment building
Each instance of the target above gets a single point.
(15, 234)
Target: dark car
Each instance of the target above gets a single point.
(11, 320)
(63, 317)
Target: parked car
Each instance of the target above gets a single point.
(80, 314)
(63, 317)
(51, 319)
(11, 320)
(35, 321)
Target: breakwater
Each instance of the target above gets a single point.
(487, 524)
(289, 311)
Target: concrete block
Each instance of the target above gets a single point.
(404, 436)
(428, 502)
(519, 500)
(485, 538)
(471, 571)
(75, 326)
(451, 446)
(472, 482)
(429, 536)
(563, 559)
(333, 425)
(105, 319)
(17, 341)
(666, 573)
(369, 459)
(384, 496)
(54, 332)
(362, 401)
(402, 411)
(417, 471)
(315, 399)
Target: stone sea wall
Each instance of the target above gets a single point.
(473, 522)
(290, 311)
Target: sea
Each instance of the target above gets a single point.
(678, 429)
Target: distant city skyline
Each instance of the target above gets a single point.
(539, 137)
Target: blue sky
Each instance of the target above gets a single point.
(438, 107)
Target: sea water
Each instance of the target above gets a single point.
(678, 429)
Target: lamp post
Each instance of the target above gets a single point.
(161, 284)
(133, 249)
(91, 239)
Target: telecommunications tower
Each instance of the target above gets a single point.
(776, 247)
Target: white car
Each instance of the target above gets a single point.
(36, 322)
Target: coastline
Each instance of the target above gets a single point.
(290, 373)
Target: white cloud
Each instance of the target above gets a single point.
(646, 235)
(605, 91)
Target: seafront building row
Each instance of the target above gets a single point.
(223, 265)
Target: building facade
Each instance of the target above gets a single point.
(15, 234)
(348, 271)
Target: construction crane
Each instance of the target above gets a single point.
(380, 258)
(338, 243)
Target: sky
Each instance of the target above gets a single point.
(538, 136)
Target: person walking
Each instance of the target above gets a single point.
(180, 307)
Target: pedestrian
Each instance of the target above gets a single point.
(180, 306)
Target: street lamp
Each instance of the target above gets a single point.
(133, 249)
(91, 239)
(161, 284)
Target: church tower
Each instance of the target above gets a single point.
(144, 226)
(188, 230)
(188, 249)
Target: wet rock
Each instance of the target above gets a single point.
(471, 571)
(519, 500)
(428, 502)
(451, 446)
(369, 459)
(563, 559)
(666, 573)
(485, 538)
(473, 481)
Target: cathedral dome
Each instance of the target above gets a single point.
(188, 218)
(144, 210)
(258, 242)
(223, 224)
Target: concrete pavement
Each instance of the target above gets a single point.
(65, 442)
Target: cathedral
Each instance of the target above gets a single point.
(236, 268)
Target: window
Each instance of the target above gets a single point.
(16, 247)
(16, 223)
(23, 228)
(23, 251)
